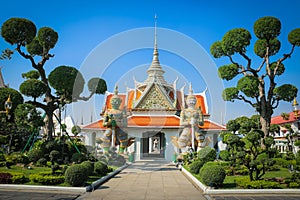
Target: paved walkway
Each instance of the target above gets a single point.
(155, 179)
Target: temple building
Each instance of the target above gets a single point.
(147, 119)
(2, 84)
(285, 137)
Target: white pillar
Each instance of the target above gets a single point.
(137, 149)
(113, 137)
(193, 132)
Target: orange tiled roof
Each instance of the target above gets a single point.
(166, 121)
(155, 121)
(210, 125)
(95, 125)
(279, 120)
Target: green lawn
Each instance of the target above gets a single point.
(25, 171)
(229, 182)
(36, 170)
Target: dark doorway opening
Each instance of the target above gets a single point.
(153, 144)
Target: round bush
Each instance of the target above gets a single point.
(76, 175)
(34, 155)
(100, 168)
(207, 154)
(196, 166)
(224, 155)
(212, 174)
(42, 162)
(78, 158)
(89, 167)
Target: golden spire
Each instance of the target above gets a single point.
(155, 68)
(295, 103)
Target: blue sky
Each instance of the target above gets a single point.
(84, 27)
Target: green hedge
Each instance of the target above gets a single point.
(12, 177)
(100, 168)
(47, 179)
(18, 178)
(207, 154)
(195, 166)
(245, 183)
(212, 174)
(76, 175)
(89, 167)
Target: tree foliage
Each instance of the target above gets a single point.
(257, 84)
(245, 148)
(35, 45)
(33, 88)
(67, 81)
(28, 117)
(18, 31)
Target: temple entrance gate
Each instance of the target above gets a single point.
(153, 144)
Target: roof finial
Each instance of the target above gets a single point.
(155, 34)
(116, 89)
(190, 89)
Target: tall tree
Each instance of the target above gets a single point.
(257, 86)
(35, 46)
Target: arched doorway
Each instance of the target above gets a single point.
(153, 144)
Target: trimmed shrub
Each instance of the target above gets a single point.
(100, 168)
(17, 157)
(76, 175)
(196, 166)
(89, 167)
(2, 157)
(34, 155)
(18, 178)
(242, 170)
(245, 183)
(224, 155)
(207, 154)
(54, 154)
(78, 158)
(47, 179)
(294, 185)
(212, 174)
(41, 162)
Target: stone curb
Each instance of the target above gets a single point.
(208, 190)
(42, 188)
(89, 188)
(103, 179)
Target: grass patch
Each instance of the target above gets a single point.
(25, 170)
(229, 182)
(36, 170)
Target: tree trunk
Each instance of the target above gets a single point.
(49, 125)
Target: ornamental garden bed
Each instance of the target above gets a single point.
(76, 175)
(271, 180)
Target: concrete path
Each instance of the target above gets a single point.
(149, 179)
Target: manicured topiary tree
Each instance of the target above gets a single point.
(207, 154)
(195, 166)
(64, 84)
(76, 175)
(212, 174)
(100, 168)
(89, 167)
(257, 86)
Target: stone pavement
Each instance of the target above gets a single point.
(154, 179)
